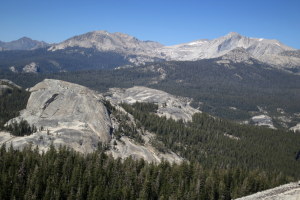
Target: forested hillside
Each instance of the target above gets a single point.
(219, 143)
(11, 103)
(238, 85)
(236, 92)
(224, 160)
(69, 59)
(64, 174)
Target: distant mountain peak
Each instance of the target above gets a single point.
(232, 34)
(264, 50)
(105, 41)
(24, 43)
(100, 32)
(25, 38)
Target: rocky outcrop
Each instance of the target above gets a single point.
(296, 128)
(289, 191)
(8, 82)
(66, 114)
(31, 68)
(4, 89)
(237, 55)
(13, 69)
(168, 105)
(7, 86)
(263, 120)
(126, 147)
(71, 115)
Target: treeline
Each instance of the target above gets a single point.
(69, 59)
(65, 174)
(100, 80)
(11, 104)
(21, 128)
(219, 143)
(126, 128)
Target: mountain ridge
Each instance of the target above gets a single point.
(264, 50)
(105, 41)
(137, 52)
(23, 43)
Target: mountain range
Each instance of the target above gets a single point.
(264, 50)
(133, 51)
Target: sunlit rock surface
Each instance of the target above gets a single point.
(65, 114)
(168, 105)
(71, 115)
(289, 191)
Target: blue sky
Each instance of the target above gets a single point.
(166, 21)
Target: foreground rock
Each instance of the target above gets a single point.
(168, 105)
(289, 191)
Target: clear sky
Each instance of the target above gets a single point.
(166, 21)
